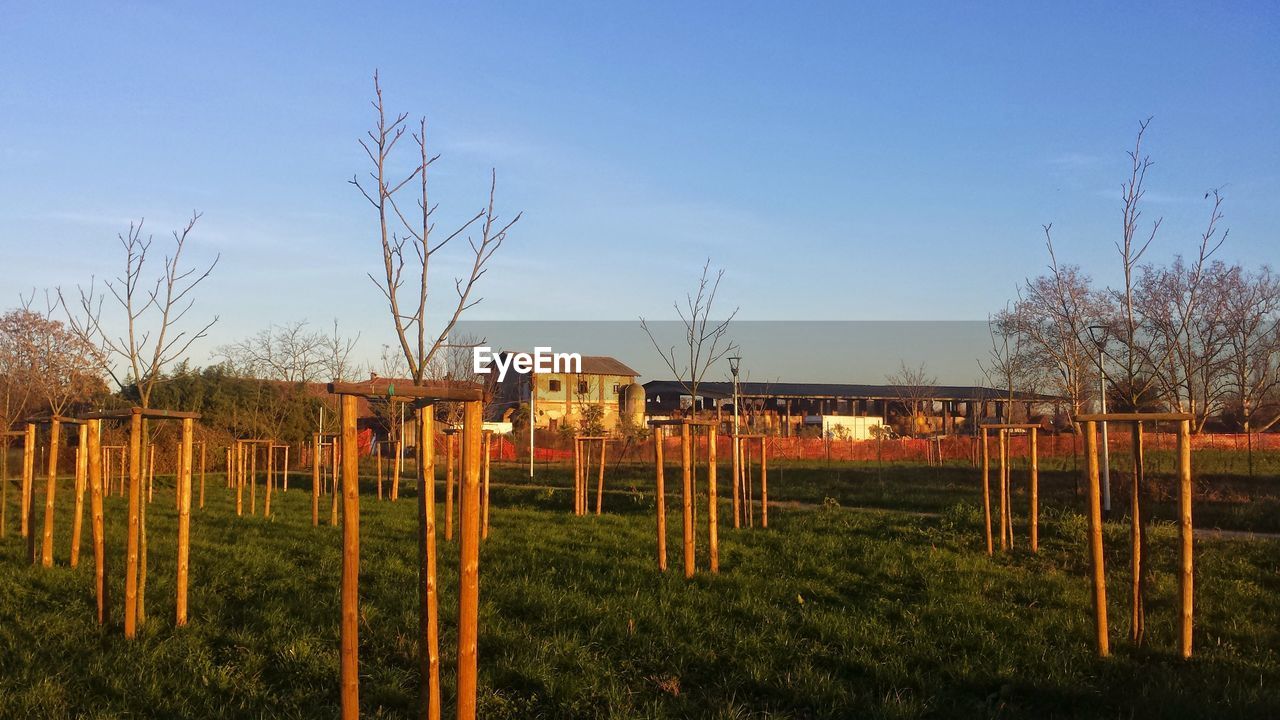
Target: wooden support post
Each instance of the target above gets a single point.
(131, 544)
(713, 520)
(96, 489)
(239, 477)
(1001, 448)
(986, 490)
(338, 455)
(350, 645)
(577, 476)
(82, 472)
(284, 472)
(151, 478)
(469, 560)
(377, 462)
(449, 446)
(269, 485)
(395, 466)
(1186, 574)
(1137, 606)
(686, 478)
(1007, 463)
(661, 498)
(230, 477)
(600, 483)
(28, 483)
(428, 594)
(203, 447)
(764, 483)
(1033, 482)
(484, 498)
(315, 480)
(253, 478)
(50, 491)
(184, 520)
(735, 451)
(1097, 565)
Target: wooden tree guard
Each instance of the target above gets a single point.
(450, 444)
(1186, 579)
(689, 500)
(661, 498)
(1004, 449)
(583, 462)
(486, 453)
(133, 588)
(469, 545)
(742, 465)
(4, 474)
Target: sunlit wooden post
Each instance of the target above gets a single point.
(449, 447)
(661, 492)
(184, 520)
(1137, 538)
(764, 482)
(1002, 451)
(735, 451)
(94, 429)
(986, 490)
(469, 560)
(230, 478)
(396, 466)
(1186, 575)
(82, 472)
(131, 544)
(1097, 564)
(487, 446)
(151, 480)
(338, 456)
(253, 478)
(377, 462)
(713, 520)
(239, 477)
(350, 645)
(203, 447)
(269, 485)
(315, 480)
(28, 482)
(428, 593)
(1033, 455)
(50, 490)
(284, 472)
(600, 482)
(686, 478)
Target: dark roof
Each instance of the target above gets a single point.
(719, 389)
(601, 365)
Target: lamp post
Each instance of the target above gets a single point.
(1098, 333)
(734, 363)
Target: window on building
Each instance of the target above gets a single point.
(554, 385)
(582, 387)
(617, 388)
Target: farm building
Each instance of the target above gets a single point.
(562, 397)
(789, 408)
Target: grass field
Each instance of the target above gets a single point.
(832, 612)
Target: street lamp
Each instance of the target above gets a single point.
(734, 363)
(1099, 333)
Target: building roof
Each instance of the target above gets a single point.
(720, 389)
(599, 365)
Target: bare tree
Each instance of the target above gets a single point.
(914, 387)
(336, 350)
(418, 343)
(149, 335)
(1252, 320)
(1010, 362)
(706, 339)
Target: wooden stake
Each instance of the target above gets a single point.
(469, 561)
(184, 521)
(484, 499)
(350, 646)
(151, 476)
(1033, 481)
(1137, 537)
(735, 450)
(377, 454)
(315, 480)
(50, 490)
(449, 444)
(1001, 450)
(82, 471)
(284, 473)
(203, 447)
(1186, 575)
(600, 484)
(577, 476)
(986, 490)
(28, 482)
(428, 594)
(253, 478)
(95, 499)
(239, 477)
(713, 522)
(764, 485)
(338, 455)
(396, 466)
(661, 498)
(1099, 578)
(270, 482)
(686, 478)
(131, 544)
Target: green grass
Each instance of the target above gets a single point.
(831, 613)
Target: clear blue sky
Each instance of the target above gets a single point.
(840, 161)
